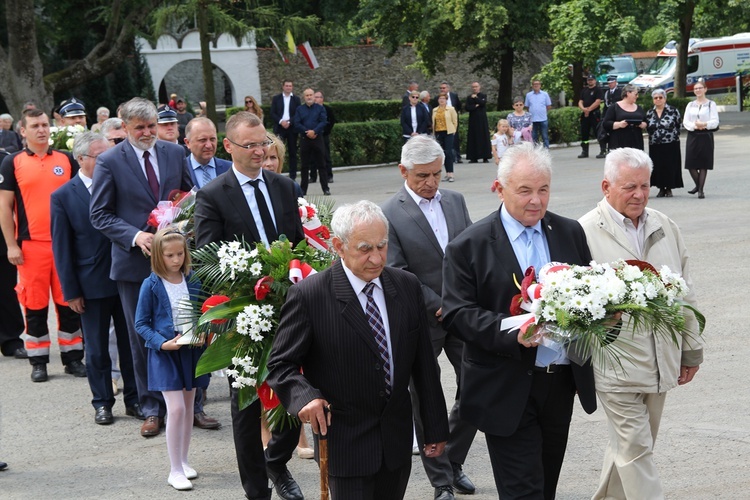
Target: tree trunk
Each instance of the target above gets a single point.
(21, 67)
(208, 71)
(686, 26)
(505, 92)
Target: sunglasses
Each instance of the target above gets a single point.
(248, 102)
(116, 140)
(658, 97)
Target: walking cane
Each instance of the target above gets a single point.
(323, 459)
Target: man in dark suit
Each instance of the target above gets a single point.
(422, 220)
(310, 121)
(330, 122)
(83, 257)
(611, 96)
(129, 181)
(518, 392)
(283, 107)
(454, 101)
(201, 140)
(10, 141)
(256, 205)
(359, 331)
(415, 119)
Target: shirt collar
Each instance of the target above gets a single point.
(139, 151)
(358, 284)
(87, 181)
(194, 162)
(243, 179)
(513, 228)
(418, 199)
(622, 220)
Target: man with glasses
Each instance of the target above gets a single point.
(130, 179)
(83, 258)
(414, 118)
(255, 205)
(113, 129)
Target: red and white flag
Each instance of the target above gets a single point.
(283, 57)
(309, 55)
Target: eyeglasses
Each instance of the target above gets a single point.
(658, 97)
(116, 140)
(518, 104)
(90, 156)
(248, 102)
(253, 145)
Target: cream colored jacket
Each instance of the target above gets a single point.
(654, 362)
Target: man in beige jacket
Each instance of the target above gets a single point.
(633, 395)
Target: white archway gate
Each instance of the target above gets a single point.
(238, 61)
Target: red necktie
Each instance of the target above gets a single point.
(153, 183)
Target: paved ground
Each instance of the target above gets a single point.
(55, 450)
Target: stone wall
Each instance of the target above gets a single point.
(366, 72)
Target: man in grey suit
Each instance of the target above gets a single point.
(129, 181)
(422, 220)
(359, 331)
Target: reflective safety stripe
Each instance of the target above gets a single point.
(36, 346)
(70, 341)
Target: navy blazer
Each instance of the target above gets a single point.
(122, 201)
(496, 371)
(277, 111)
(82, 254)
(220, 165)
(423, 120)
(153, 316)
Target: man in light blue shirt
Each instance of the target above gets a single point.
(538, 102)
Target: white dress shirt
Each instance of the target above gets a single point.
(249, 191)
(287, 100)
(433, 212)
(151, 158)
(87, 181)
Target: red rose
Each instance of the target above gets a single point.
(268, 397)
(263, 287)
(310, 212)
(528, 279)
(212, 301)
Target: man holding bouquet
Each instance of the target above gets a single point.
(621, 227)
(515, 390)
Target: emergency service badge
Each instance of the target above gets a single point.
(58, 170)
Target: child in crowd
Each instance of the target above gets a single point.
(501, 140)
(162, 317)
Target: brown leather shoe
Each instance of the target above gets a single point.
(151, 427)
(203, 421)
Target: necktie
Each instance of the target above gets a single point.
(376, 323)
(265, 214)
(532, 252)
(206, 174)
(153, 183)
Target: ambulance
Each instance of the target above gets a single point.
(716, 60)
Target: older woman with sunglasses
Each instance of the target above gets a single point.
(519, 121)
(663, 125)
(701, 119)
(625, 121)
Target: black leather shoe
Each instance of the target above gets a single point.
(313, 180)
(601, 155)
(103, 416)
(135, 411)
(285, 485)
(3, 466)
(327, 192)
(76, 368)
(20, 353)
(444, 493)
(39, 373)
(461, 481)
(330, 180)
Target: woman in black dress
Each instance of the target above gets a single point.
(625, 121)
(701, 119)
(664, 144)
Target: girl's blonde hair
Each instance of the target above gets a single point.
(162, 237)
(502, 122)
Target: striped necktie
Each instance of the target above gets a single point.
(378, 329)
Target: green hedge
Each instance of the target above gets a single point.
(372, 142)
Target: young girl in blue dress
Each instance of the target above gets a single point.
(161, 318)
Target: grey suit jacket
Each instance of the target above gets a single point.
(121, 201)
(412, 245)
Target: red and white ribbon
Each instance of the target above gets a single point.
(299, 270)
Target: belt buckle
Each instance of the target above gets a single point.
(551, 368)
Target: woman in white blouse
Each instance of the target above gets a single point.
(701, 119)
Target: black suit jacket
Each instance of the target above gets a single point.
(222, 213)
(496, 371)
(424, 120)
(277, 111)
(324, 330)
(610, 99)
(10, 141)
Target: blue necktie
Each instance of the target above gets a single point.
(532, 252)
(206, 174)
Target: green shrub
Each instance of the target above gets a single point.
(564, 125)
(366, 143)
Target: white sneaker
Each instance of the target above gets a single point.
(190, 473)
(180, 483)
